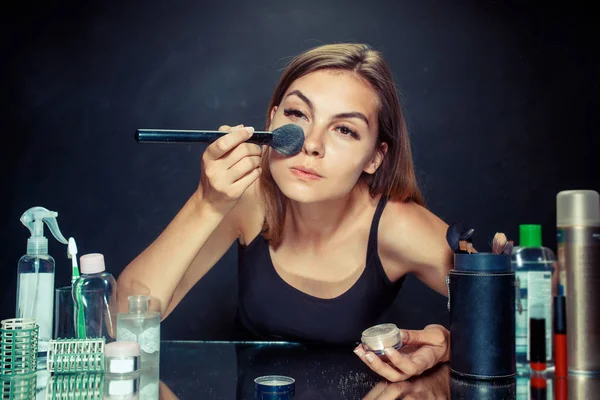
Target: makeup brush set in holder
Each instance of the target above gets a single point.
(481, 301)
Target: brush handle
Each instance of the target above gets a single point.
(192, 136)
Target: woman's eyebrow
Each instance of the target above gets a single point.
(353, 114)
(302, 97)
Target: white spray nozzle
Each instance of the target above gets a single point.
(34, 219)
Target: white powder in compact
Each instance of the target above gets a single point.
(274, 380)
(275, 383)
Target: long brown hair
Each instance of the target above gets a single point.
(395, 177)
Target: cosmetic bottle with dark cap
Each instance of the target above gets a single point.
(481, 300)
(560, 336)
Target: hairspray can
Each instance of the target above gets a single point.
(578, 237)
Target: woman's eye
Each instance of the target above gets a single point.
(344, 130)
(294, 113)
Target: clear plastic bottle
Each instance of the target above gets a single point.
(534, 266)
(143, 326)
(35, 275)
(95, 297)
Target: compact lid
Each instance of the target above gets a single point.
(381, 336)
(275, 384)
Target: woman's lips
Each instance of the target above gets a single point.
(307, 174)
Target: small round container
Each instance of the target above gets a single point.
(272, 387)
(122, 358)
(379, 337)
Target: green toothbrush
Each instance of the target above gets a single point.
(80, 325)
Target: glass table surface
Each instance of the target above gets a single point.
(227, 370)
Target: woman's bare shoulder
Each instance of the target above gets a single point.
(413, 239)
(407, 218)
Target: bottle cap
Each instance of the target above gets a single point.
(92, 263)
(138, 303)
(578, 207)
(530, 235)
(559, 315)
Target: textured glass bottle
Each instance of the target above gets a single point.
(142, 326)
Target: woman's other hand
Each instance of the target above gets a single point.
(421, 350)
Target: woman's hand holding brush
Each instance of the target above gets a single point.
(229, 167)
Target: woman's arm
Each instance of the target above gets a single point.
(202, 231)
(159, 270)
(413, 239)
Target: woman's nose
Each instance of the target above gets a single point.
(313, 142)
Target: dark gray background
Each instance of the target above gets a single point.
(501, 99)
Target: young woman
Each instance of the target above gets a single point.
(326, 236)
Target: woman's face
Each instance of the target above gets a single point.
(338, 112)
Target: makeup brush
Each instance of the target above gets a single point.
(509, 247)
(453, 236)
(498, 243)
(460, 239)
(286, 140)
(501, 245)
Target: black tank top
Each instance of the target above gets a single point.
(272, 309)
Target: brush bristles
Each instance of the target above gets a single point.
(288, 139)
(499, 243)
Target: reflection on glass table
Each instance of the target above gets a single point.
(227, 370)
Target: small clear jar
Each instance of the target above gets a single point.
(379, 337)
(122, 358)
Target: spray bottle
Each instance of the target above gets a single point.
(35, 274)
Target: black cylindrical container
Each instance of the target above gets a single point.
(470, 389)
(481, 300)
